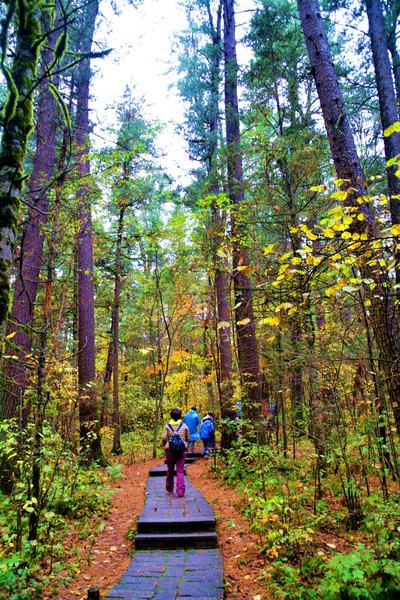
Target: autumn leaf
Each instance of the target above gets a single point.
(395, 230)
(330, 292)
(274, 321)
(393, 161)
(243, 322)
(269, 249)
(392, 129)
(341, 196)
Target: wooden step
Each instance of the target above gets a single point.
(194, 455)
(161, 471)
(149, 541)
(163, 525)
(188, 461)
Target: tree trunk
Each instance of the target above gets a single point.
(392, 17)
(106, 382)
(387, 105)
(245, 328)
(382, 311)
(16, 374)
(89, 424)
(116, 449)
(17, 123)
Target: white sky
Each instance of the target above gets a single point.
(143, 43)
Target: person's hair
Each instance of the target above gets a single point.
(193, 408)
(176, 413)
(211, 414)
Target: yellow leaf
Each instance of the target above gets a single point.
(340, 227)
(348, 220)
(223, 325)
(317, 188)
(341, 196)
(243, 322)
(336, 212)
(328, 233)
(293, 230)
(311, 236)
(285, 256)
(395, 230)
(340, 182)
(346, 235)
(145, 351)
(283, 269)
(284, 306)
(330, 292)
(274, 321)
(292, 310)
(389, 130)
(11, 335)
(269, 249)
(296, 260)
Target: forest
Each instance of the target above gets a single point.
(266, 290)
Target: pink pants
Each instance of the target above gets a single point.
(179, 461)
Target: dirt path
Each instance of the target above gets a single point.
(104, 561)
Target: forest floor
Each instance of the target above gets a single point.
(102, 562)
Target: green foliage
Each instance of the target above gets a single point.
(115, 472)
(361, 574)
(286, 583)
(67, 492)
(277, 497)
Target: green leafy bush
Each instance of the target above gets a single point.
(361, 574)
(67, 491)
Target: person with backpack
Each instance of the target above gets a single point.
(212, 440)
(207, 434)
(192, 420)
(175, 439)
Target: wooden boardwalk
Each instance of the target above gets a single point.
(176, 548)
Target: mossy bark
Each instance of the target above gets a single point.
(17, 125)
(16, 372)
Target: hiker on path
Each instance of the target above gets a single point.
(176, 428)
(212, 436)
(207, 434)
(192, 420)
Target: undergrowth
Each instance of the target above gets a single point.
(72, 497)
(313, 552)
